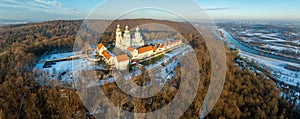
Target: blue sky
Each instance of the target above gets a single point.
(216, 9)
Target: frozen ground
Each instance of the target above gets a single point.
(275, 43)
(64, 70)
(169, 55)
(276, 67)
(279, 47)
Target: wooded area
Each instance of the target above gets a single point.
(245, 95)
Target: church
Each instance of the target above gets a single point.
(133, 48)
(124, 41)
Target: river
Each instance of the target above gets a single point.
(231, 41)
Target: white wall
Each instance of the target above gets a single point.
(122, 65)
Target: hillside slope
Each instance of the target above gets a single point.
(245, 95)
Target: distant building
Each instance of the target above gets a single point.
(122, 62)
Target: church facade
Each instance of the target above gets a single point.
(123, 41)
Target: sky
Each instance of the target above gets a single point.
(215, 9)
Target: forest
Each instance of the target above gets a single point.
(244, 95)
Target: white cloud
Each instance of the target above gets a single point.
(44, 6)
(48, 4)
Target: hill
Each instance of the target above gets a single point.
(245, 95)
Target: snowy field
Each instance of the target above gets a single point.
(276, 67)
(272, 42)
(63, 70)
(66, 71)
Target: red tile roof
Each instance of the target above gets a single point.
(122, 58)
(100, 45)
(154, 49)
(106, 54)
(131, 49)
(134, 60)
(144, 49)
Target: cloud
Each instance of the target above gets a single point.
(218, 8)
(11, 1)
(9, 4)
(48, 6)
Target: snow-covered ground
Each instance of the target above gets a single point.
(276, 67)
(163, 73)
(67, 71)
(64, 70)
(166, 73)
(58, 55)
(169, 55)
(277, 43)
(281, 48)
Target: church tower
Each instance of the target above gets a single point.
(127, 33)
(127, 39)
(118, 34)
(137, 33)
(138, 40)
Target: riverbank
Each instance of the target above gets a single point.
(260, 50)
(272, 66)
(253, 50)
